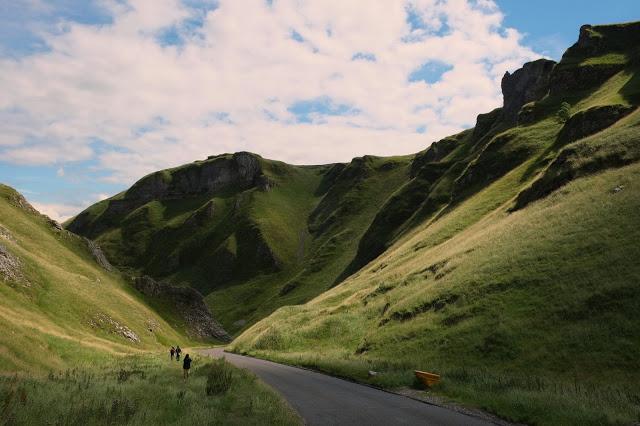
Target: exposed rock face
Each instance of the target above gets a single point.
(55, 224)
(588, 122)
(529, 83)
(528, 114)
(602, 39)
(19, 201)
(105, 322)
(485, 122)
(4, 233)
(573, 75)
(581, 158)
(241, 170)
(189, 303)
(9, 266)
(566, 79)
(98, 254)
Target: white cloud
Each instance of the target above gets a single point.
(151, 106)
(58, 212)
(62, 211)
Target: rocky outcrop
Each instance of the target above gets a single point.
(529, 83)
(574, 73)
(240, 171)
(573, 78)
(105, 322)
(588, 122)
(582, 158)
(602, 39)
(18, 200)
(486, 122)
(10, 268)
(4, 233)
(188, 303)
(98, 254)
(529, 113)
(436, 152)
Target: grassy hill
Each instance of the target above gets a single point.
(80, 346)
(250, 234)
(55, 297)
(503, 257)
(508, 262)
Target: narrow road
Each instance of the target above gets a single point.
(326, 400)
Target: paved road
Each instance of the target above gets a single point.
(326, 400)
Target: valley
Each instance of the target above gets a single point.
(504, 258)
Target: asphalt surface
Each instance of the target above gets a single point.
(326, 400)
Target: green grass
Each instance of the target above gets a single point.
(535, 297)
(64, 293)
(509, 265)
(141, 390)
(63, 359)
(533, 314)
(314, 258)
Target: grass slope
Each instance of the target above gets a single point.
(521, 288)
(142, 390)
(64, 354)
(247, 249)
(65, 304)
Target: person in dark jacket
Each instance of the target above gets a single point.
(186, 365)
(178, 352)
(172, 351)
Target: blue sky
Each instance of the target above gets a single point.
(98, 93)
(551, 25)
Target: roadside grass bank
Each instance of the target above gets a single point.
(142, 390)
(521, 398)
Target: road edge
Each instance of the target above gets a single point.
(467, 411)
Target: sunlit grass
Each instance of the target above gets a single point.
(141, 390)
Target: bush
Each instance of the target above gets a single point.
(219, 378)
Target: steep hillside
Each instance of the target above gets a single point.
(58, 304)
(80, 346)
(508, 261)
(250, 234)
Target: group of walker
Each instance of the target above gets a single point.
(186, 363)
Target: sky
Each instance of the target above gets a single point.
(95, 94)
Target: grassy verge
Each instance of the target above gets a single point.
(142, 390)
(530, 399)
(531, 315)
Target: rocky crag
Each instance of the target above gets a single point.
(188, 304)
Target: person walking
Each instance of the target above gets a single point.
(172, 351)
(186, 365)
(178, 352)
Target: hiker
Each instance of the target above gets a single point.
(178, 352)
(172, 351)
(186, 365)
